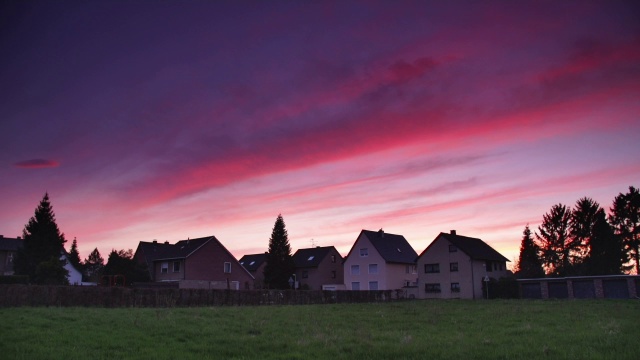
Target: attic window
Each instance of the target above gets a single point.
(364, 252)
(251, 263)
(453, 248)
(310, 258)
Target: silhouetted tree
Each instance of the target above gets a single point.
(93, 266)
(279, 267)
(42, 248)
(121, 262)
(606, 252)
(74, 255)
(529, 263)
(625, 219)
(583, 219)
(555, 241)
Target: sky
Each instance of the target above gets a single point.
(167, 120)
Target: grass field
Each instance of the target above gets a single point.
(515, 329)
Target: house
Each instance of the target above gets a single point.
(8, 249)
(193, 263)
(455, 266)
(75, 276)
(380, 261)
(319, 268)
(255, 264)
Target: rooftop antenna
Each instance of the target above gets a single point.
(313, 243)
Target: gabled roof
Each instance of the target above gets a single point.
(253, 261)
(10, 244)
(473, 247)
(311, 257)
(155, 251)
(393, 248)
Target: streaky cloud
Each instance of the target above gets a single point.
(37, 164)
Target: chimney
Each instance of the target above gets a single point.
(155, 241)
(453, 232)
(1, 236)
(166, 242)
(381, 232)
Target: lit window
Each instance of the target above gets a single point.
(453, 267)
(364, 252)
(164, 268)
(432, 288)
(355, 285)
(373, 285)
(455, 287)
(227, 268)
(431, 268)
(355, 269)
(176, 266)
(373, 268)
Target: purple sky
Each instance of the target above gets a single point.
(173, 119)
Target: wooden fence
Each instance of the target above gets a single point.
(96, 296)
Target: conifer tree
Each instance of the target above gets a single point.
(42, 248)
(625, 218)
(606, 251)
(555, 241)
(93, 266)
(529, 263)
(279, 267)
(74, 255)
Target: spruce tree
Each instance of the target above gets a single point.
(93, 266)
(529, 263)
(279, 267)
(42, 248)
(606, 251)
(74, 255)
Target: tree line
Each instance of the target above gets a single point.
(584, 240)
(40, 258)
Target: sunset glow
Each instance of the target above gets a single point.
(181, 119)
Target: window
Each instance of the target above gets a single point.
(227, 268)
(373, 268)
(333, 274)
(333, 258)
(373, 285)
(453, 248)
(501, 266)
(305, 274)
(364, 252)
(453, 267)
(251, 263)
(455, 287)
(432, 288)
(164, 268)
(495, 266)
(355, 269)
(487, 266)
(355, 285)
(310, 258)
(431, 268)
(411, 269)
(176, 266)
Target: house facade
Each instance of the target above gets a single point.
(380, 261)
(255, 264)
(319, 268)
(8, 249)
(455, 266)
(194, 263)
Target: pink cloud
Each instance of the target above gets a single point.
(37, 164)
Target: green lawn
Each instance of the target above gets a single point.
(405, 330)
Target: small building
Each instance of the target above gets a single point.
(319, 268)
(193, 263)
(380, 261)
(255, 264)
(74, 275)
(455, 266)
(8, 250)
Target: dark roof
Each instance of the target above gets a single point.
(311, 257)
(393, 248)
(10, 244)
(253, 262)
(154, 251)
(474, 247)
